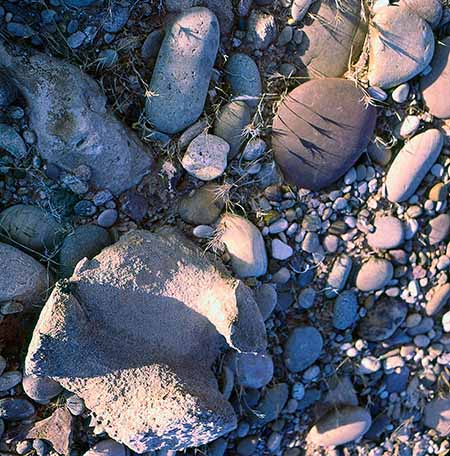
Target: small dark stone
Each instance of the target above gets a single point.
(397, 382)
(15, 409)
(85, 208)
(134, 205)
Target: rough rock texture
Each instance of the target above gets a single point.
(437, 82)
(329, 39)
(437, 415)
(320, 130)
(135, 332)
(73, 125)
(183, 70)
(430, 10)
(22, 278)
(57, 429)
(401, 46)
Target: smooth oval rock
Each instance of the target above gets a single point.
(152, 45)
(12, 409)
(12, 142)
(338, 276)
(331, 38)
(206, 157)
(41, 389)
(438, 300)
(230, 124)
(439, 228)
(340, 426)
(388, 233)
(30, 227)
(437, 81)
(374, 274)
(22, 278)
(401, 46)
(85, 242)
(302, 348)
(253, 370)
(382, 319)
(244, 78)
(244, 244)
(203, 206)
(299, 8)
(9, 380)
(320, 130)
(266, 297)
(345, 310)
(182, 72)
(261, 29)
(437, 415)
(412, 164)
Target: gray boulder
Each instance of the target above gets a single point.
(22, 278)
(73, 125)
(182, 72)
(314, 143)
(134, 334)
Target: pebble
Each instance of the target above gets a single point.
(345, 310)
(439, 299)
(253, 370)
(9, 380)
(411, 165)
(374, 274)
(302, 348)
(306, 298)
(338, 276)
(299, 9)
(12, 409)
(206, 157)
(247, 446)
(281, 250)
(272, 404)
(266, 297)
(75, 405)
(254, 149)
(40, 389)
(409, 126)
(203, 206)
(107, 218)
(151, 45)
(261, 30)
(388, 233)
(369, 365)
(340, 426)
(446, 322)
(440, 229)
(12, 142)
(400, 94)
(76, 39)
(203, 232)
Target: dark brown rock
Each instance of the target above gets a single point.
(320, 130)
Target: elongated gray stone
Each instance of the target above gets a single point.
(412, 163)
(182, 72)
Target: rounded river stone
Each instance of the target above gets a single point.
(320, 130)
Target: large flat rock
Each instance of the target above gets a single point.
(135, 332)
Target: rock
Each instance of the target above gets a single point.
(388, 233)
(86, 241)
(8, 92)
(397, 381)
(331, 38)
(266, 297)
(56, 429)
(306, 298)
(345, 310)
(12, 409)
(9, 380)
(382, 320)
(244, 244)
(79, 3)
(411, 165)
(107, 218)
(437, 81)
(375, 274)
(244, 78)
(271, 405)
(22, 279)
(203, 206)
(12, 142)
(438, 300)
(429, 10)
(40, 389)
(400, 94)
(437, 415)
(247, 446)
(379, 153)
(134, 205)
(201, 126)
(31, 228)
(341, 392)
(107, 447)
(438, 192)
(217, 448)
(340, 426)
(299, 9)
(179, 308)
(312, 145)
(254, 149)
(401, 46)
(338, 276)
(67, 111)
(252, 370)
(439, 229)
(115, 18)
(182, 71)
(281, 250)
(230, 124)
(302, 348)
(261, 30)
(206, 157)
(151, 45)
(75, 405)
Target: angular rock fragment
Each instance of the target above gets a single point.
(73, 125)
(320, 130)
(134, 333)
